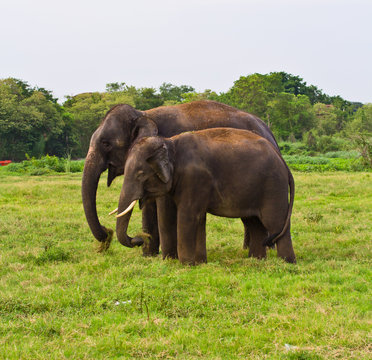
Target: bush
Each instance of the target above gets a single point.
(293, 148)
(327, 143)
(77, 166)
(353, 154)
(321, 163)
(45, 165)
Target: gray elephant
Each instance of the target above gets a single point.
(123, 126)
(224, 172)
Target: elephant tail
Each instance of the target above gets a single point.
(272, 239)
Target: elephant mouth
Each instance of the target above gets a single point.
(129, 208)
(141, 203)
(113, 172)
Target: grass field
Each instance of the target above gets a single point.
(59, 299)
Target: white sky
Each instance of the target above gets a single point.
(73, 46)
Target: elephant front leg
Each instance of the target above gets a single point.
(167, 221)
(191, 242)
(150, 226)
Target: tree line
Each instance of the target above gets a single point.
(33, 123)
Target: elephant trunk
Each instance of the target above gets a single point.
(126, 204)
(93, 168)
(121, 229)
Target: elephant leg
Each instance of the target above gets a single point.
(189, 227)
(201, 245)
(258, 234)
(150, 226)
(285, 248)
(273, 222)
(246, 234)
(167, 221)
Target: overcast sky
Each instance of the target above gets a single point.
(76, 46)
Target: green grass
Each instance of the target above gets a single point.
(59, 299)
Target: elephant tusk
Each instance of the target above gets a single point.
(113, 211)
(129, 208)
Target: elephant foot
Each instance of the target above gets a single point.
(147, 253)
(144, 239)
(104, 245)
(285, 249)
(171, 255)
(291, 260)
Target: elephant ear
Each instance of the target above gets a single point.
(159, 162)
(143, 126)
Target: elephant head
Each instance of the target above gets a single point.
(109, 146)
(148, 174)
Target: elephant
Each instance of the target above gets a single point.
(123, 125)
(225, 172)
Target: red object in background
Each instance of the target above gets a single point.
(5, 162)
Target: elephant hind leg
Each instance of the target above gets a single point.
(274, 225)
(285, 248)
(246, 234)
(257, 235)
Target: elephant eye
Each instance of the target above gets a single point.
(140, 175)
(106, 144)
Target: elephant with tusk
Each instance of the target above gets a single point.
(123, 126)
(226, 172)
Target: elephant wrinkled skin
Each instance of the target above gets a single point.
(225, 172)
(123, 126)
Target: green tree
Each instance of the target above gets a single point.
(250, 93)
(86, 111)
(360, 131)
(327, 121)
(290, 115)
(295, 85)
(113, 87)
(147, 98)
(28, 120)
(362, 121)
(175, 93)
(195, 96)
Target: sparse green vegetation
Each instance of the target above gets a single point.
(62, 300)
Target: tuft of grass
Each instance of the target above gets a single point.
(54, 254)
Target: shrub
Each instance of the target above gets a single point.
(45, 165)
(353, 154)
(321, 163)
(293, 148)
(327, 143)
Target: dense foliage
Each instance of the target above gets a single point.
(33, 123)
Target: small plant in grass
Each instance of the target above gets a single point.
(314, 217)
(68, 163)
(51, 254)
